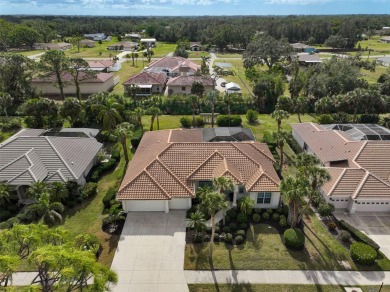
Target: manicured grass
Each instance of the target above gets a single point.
(27, 53)
(372, 77)
(374, 44)
(127, 70)
(87, 218)
(99, 51)
(162, 49)
(192, 54)
(239, 75)
(264, 250)
(228, 55)
(166, 122)
(276, 288)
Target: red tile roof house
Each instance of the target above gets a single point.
(360, 169)
(102, 82)
(171, 66)
(170, 165)
(148, 82)
(183, 84)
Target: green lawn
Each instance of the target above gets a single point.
(192, 54)
(228, 55)
(374, 44)
(276, 288)
(27, 53)
(99, 51)
(162, 49)
(127, 70)
(372, 77)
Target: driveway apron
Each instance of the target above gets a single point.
(150, 253)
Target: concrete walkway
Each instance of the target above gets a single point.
(150, 253)
(288, 277)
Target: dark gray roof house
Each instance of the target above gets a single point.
(30, 156)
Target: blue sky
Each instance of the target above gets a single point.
(193, 7)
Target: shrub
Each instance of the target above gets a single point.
(282, 221)
(227, 218)
(216, 236)
(242, 218)
(331, 225)
(199, 122)
(217, 229)
(232, 213)
(233, 227)
(228, 238)
(269, 139)
(241, 232)
(344, 236)
(12, 208)
(369, 119)
(257, 210)
(269, 211)
(294, 238)
(226, 229)
(222, 237)
(325, 119)
(198, 238)
(89, 190)
(325, 209)
(11, 125)
(275, 217)
(208, 230)
(109, 197)
(244, 226)
(317, 201)
(239, 239)
(256, 218)
(12, 221)
(266, 215)
(116, 154)
(4, 214)
(362, 253)
(206, 238)
(358, 235)
(135, 141)
(229, 121)
(285, 210)
(186, 122)
(279, 210)
(252, 116)
(4, 225)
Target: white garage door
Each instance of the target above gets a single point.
(144, 205)
(372, 207)
(179, 204)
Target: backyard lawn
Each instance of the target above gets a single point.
(27, 53)
(228, 55)
(374, 44)
(127, 70)
(162, 49)
(192, 54)
(372, 77)
(99, 51)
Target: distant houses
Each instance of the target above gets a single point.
(53, 46)
(300, 47)
(104, 66)
(88, 43)
(385, 39)
(150, 42)
(123, 46)
(171, 66)
(97, 37)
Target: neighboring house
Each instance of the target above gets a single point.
(182, 84)
(96, 36)
(233, 134)
(358, 160)
(169, 166)
(102, 82)
(123, 46)
(104, 66)
(307, 59)
(34, 155)
(149, 42)
(196, 46)
(134, 37)
(232, 87)
(171, 66)
(87, 43)
(385, 39)
(148, 82)
(53, 46)
(299, 47)
(384, 61)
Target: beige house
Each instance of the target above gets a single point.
(148, 83)
(102, 82)
(169, 166)
(88, 43)
(173, 66)
(358, 159)
(53, 46)
(182, 84)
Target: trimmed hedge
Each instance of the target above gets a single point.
(362, 253)
(186, 122)
(256, 218)
(239, 239)
(232, 213)
(266, 215)
(89, 190)
(358, 235)
(282, 221)
(242, 218)
(294, 238)
(252, 116)
(228, 238)
(229, 121)
(109, 197)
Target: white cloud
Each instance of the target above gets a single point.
(297, 2)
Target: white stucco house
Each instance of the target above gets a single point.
(170, 165)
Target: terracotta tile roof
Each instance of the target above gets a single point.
(147, 78)
(172, 164)
(100, 64)
(188, 80)
(173, 63)
(66, 77)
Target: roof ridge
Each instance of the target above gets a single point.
(153, 181)
(359, 152)
(261, 151)
(256, 175)
(361, 184)
(261, 174)
(16, 159)
(207, 159)
(243, 153)
(337, 181)
(31, 164)
(224, 161)
(15, 177)
(60, 157)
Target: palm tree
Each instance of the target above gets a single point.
(281, 137)
(36, 190)
(211, 99)
(132, 90)
(293, 190)
(136, 59)
(227, 99)
(194, 101)
(197, 221)
(223, 184)
(5, 195)
(280, 115)
(58, 191)
(109, 113)
(123, 131)
(210, 203)
(139, 113)
(5, 102)
(154, 112)
(204, 68)
(48, 211)
(246, 204)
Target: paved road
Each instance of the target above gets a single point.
(150, 253)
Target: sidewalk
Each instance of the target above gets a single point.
(288, 277)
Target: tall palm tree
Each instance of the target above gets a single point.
(36, 190)
(136, 59)
(48, 211)
(5, 195)
(223, 184)
(139, 113)
(204, 67)
(123, 131)
(197, 221)
(227, 98)
(211, 99)
(293, 190)
(154, 112)
(109, 113)
(281, 137)
(246, 204)
(58, 191)
(5, 102)
(132, 90)
(210, 203)
(280, 115)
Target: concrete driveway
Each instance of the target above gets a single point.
(150, 253)
(377, 227)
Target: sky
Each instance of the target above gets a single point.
(193, 7)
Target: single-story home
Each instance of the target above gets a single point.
(151, 42)
(170, 165)
(87, 43)
(306, 59)
(385, 39)
(104, 65)
(195, 46)
(357, 158)
(123, 46)
(53, 46)
(171, 66)
(96, 36)
(300, 47)
(135, 37)
(148, 82)
(102, 82)
(30, 156)
(182, 84)
(232, 87)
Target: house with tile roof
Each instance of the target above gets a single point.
(171, 66)
(148, 82)
(31, 156)
(170, 165)
(182, 84)
(359, 168)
